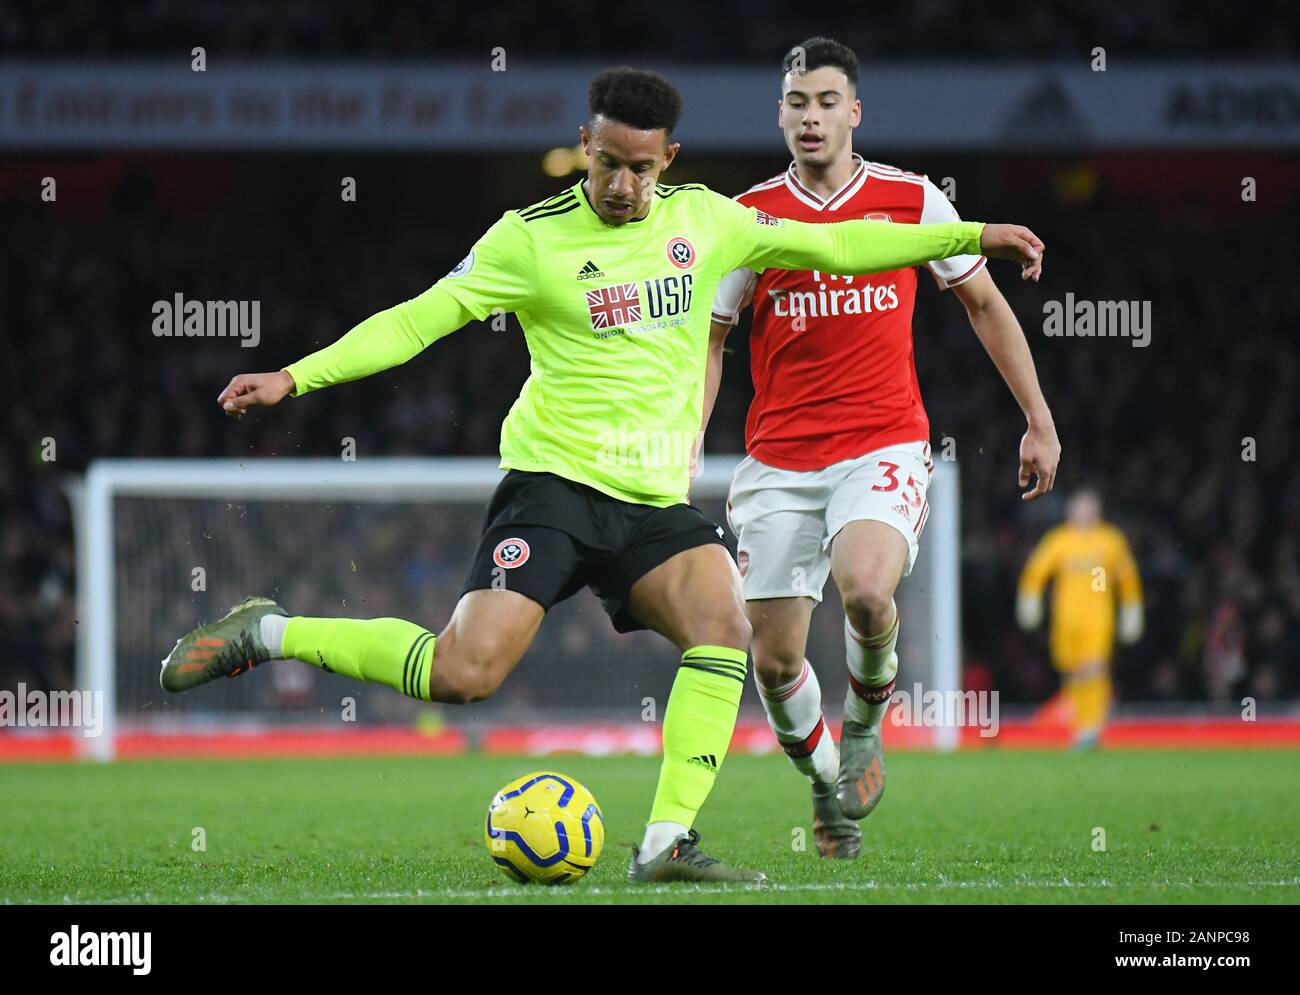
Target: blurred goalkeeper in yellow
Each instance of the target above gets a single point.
(1088, 562)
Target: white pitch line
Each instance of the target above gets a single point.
(631, 891)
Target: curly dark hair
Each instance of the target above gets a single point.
(635, 97)
(818, 52)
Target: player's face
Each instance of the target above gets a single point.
(1084, 510)
(818, 111)
(623, 166)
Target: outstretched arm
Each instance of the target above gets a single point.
(852, 247)
(382, 341)
(498, 275)
(997, 328)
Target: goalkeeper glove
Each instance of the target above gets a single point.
(1029, 611)
(1130, 623)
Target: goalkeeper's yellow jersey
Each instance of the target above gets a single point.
(1088, 568)
(616, 320)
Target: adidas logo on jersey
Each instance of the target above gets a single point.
(707, 760)
(590, 272)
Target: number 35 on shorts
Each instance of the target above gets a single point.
(911, 491)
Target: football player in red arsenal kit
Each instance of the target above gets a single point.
(838, 461)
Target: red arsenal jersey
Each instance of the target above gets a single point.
(831, 356)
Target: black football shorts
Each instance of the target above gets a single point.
(547, 538)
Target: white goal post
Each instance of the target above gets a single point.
(109, 586)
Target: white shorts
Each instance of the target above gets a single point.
(785, 519)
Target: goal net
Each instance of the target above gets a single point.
(166, 544)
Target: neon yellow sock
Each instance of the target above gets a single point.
(388, 651)
(698, 725)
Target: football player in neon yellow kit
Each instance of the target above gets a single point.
(612, 281)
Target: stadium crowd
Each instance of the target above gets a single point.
(753, 29)
(1190, 441)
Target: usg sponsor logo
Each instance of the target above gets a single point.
(631, 303)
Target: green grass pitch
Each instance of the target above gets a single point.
(991, 826)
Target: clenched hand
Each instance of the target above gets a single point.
(252, 389)
(1017, 243)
